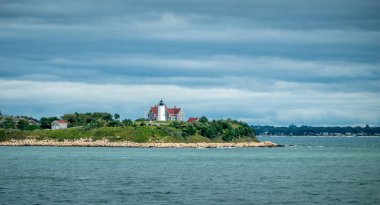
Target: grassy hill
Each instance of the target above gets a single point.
(142, 131)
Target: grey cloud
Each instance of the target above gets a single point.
(201, 66)
(287, 62)
(317, 13)
(169, 26)
(280, 107)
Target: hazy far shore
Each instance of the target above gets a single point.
(106, 143)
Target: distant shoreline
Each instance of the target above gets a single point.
(314, 136)
(105, 143)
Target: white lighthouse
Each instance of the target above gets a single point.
(161, 111)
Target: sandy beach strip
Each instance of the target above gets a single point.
(106, 143)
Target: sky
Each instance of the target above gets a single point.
(264, 62)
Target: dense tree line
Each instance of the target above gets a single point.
(96, 119)
(309, 130)
(226, 130)
(18, 122)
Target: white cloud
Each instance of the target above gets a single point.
(281, 108)
(166, 21)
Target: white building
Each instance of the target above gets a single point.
(161, 112)
(59, 124)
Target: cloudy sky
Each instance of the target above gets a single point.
(265, 62)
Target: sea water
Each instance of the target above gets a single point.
(314, 170)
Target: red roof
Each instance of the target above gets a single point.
(192, 119)
(171, 111)
(61, 121)
(154, 110)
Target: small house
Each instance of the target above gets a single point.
(59, 124)
(193, 119)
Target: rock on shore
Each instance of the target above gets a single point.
(106, 143)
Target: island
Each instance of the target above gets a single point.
(105, 130)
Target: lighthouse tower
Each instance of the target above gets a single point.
(161, 111)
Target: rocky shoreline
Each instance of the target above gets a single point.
(106, 143)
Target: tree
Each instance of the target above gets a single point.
(46, 122)
(82, 119)
(188, 131)
(225, 124)
(100, 122)
(106, 116)
(22, 124)
(9, 123)
(116, 116)
(127, 122)
(211, 132)
(114, 124)
(229, 135)
(2, 135)
(218, 126)
(203, 119)
(32, 127)
(176, 124)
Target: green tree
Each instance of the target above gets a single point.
(106, 116)
(2, 135)
(176, 124)
(188, 131)
(229, 135)
(114, 124)
(225, 124)
(9, 123)
(203, 119)
(46, 122)
(82, 119)
(100, 122)
(32, 127)
(127, 122)
(211, 132)
(116, 116)
(218, 126)
(22, 124)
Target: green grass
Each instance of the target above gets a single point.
(134, 134)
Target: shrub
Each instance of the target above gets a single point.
(2, 135)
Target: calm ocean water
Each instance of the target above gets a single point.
(315, 170)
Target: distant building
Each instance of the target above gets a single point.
(193, 119)
(59, 124)
(161, 112)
